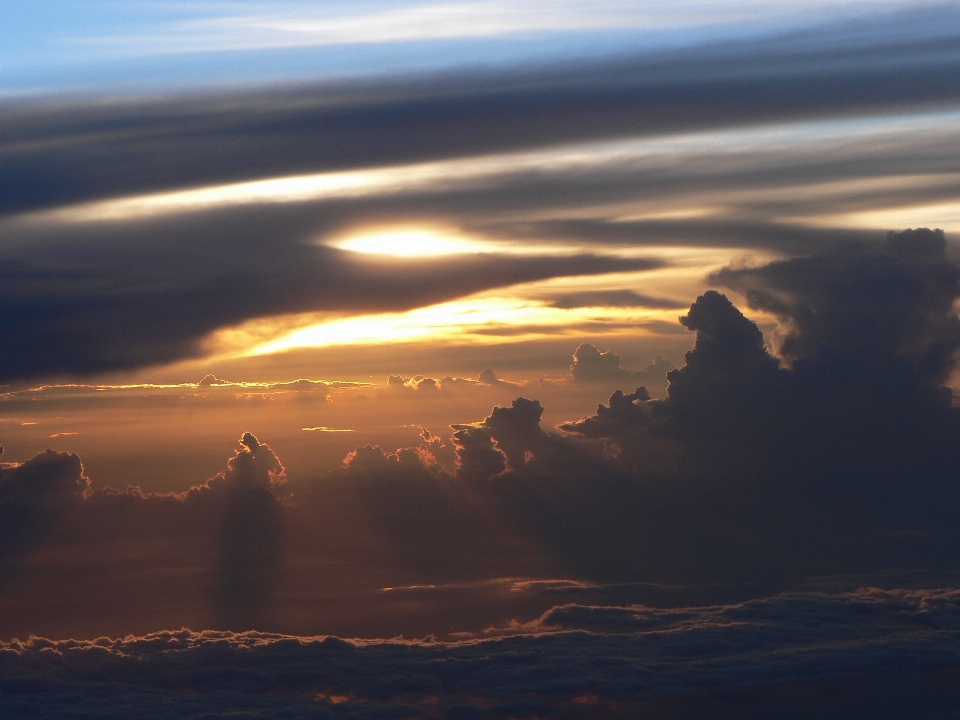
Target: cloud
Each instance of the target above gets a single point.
(612, 298)
(250, 535)
(863, 304)
(591, 365)
(575, 661)
(85, 300)
(35, 496)
(59, 152)
(833, 451)
(232, 525)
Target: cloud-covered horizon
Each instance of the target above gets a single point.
(874, 649)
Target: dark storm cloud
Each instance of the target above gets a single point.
(250, 535)
(838, 454)
(57, 152)
(91, 298)
(765, 656)
(895, 301)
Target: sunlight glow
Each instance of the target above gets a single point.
(945, 216)
(477, 319)
(413, 243)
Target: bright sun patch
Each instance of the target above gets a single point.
(412, 243)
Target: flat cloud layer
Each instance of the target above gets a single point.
(575, 661)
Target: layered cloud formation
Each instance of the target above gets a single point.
(134, 230)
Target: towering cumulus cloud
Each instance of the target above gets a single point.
(250, 533)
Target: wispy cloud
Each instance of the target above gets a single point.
(255, 26)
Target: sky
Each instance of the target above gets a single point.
(479, 359)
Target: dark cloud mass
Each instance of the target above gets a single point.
(232, 525)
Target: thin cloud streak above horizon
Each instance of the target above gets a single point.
(695, 155)
(190, 28)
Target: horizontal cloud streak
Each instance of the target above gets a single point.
(94, 298)
(78, 151)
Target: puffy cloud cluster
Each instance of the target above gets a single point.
(841, 450)
(591, 365)
(35, 496)
(232, 525)
(839, 453)
(762, 658)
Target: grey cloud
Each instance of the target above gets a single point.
(612, 298)
(591, 364)
(837, 453)
(743, 231)
(55, 152)
(35, 497)
(895, 300)
(250, 535)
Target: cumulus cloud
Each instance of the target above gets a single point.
(35, 497)
(844, 439)
(863, 304)
(591, 365)
(232, 523)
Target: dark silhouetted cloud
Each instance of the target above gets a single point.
(234, 518)
(35, 496)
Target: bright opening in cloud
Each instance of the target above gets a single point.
(412, 243)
